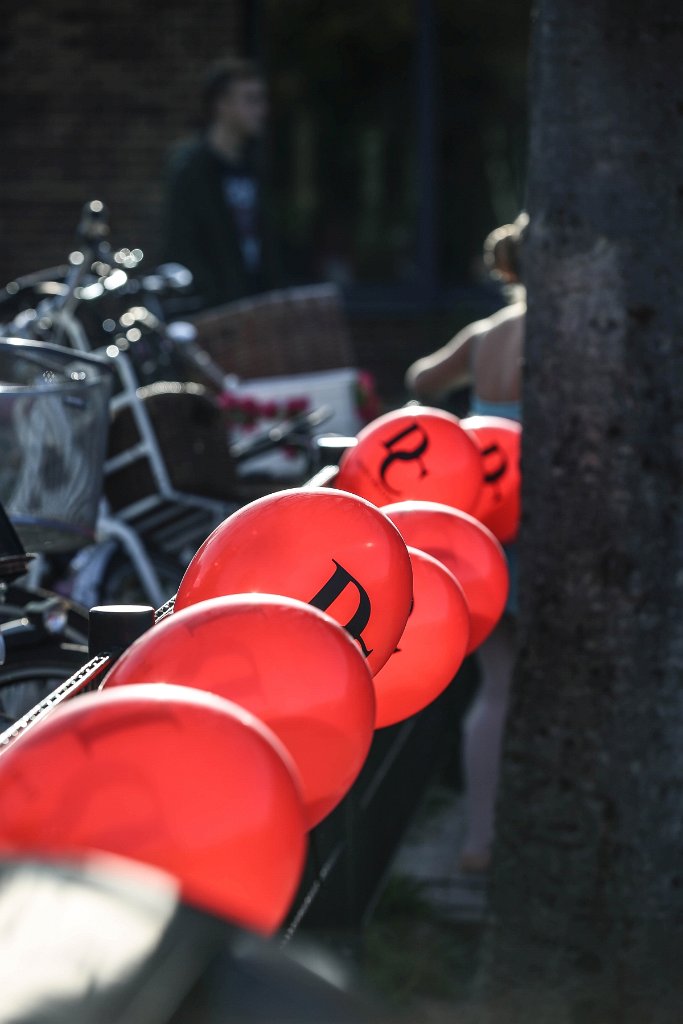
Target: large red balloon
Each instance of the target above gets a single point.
(169, 776)
(500, 442)
(468, 549)
(322, 546)
(414, 452)
(291, 665)
(432, 647)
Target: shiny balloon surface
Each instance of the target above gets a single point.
(333, 550)
(432, 647)
(466, 547)
(171, 777)
(416, 452)
(289, 664)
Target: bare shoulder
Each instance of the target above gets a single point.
(512, 314)
(450, 366)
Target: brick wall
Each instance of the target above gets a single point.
(91, 96)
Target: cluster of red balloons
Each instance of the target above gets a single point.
(427, 454)
(307, 620)
(167, 776)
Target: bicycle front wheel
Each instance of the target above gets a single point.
(32, 674)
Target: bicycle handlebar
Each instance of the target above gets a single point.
(293, 429)
(94, 255)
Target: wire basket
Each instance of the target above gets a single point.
(54, 421)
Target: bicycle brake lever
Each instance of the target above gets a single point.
(279, 433)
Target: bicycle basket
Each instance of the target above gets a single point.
(54, 421)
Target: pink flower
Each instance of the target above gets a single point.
(295, 405)
(226, 400)
(367, 400)
(366, 381)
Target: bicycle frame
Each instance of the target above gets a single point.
(169, 521)
(176, 520)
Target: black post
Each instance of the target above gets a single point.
(9, 539)
(426, 151)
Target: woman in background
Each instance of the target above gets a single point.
(486, 356)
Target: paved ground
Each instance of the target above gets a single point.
(422, 944)
(429, 855)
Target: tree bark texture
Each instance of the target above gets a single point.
(586, 898)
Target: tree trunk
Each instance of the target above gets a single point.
(586, 909)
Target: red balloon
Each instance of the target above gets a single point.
(468, 549)
(432, 647)
(332, 550)
(168, 776)
(291, 665)
(500, 442)
(414, 452)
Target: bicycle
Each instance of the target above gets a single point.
(53, 424)
(55, 401)
(43, 641)
(53, 663)
(158, 501)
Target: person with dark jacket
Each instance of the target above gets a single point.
(215, 219)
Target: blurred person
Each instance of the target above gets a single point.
(487, 356)
(215, 218)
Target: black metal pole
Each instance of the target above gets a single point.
(426, 151)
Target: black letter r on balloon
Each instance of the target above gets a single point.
(404, 455)
(330, 591)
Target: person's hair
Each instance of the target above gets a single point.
(220, 77)
(502, 246)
